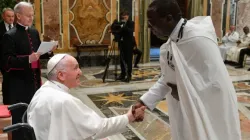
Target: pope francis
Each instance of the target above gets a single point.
(56, 115)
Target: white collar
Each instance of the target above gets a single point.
(7, 25)
(26, 27)
(60, 85)
(174, 34)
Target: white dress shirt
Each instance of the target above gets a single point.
(7, 26)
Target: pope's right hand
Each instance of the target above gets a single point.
(136, 114)
(34, 57)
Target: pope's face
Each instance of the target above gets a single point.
(26, 16)
(72, 74)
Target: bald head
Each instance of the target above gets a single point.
(163, 16)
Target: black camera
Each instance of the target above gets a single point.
(116, 30)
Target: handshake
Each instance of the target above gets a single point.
(136, 112)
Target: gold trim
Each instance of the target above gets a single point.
(204, 7)
(38, 16)
(228, 15)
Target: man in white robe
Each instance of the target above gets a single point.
(200, 95)
(234, 52)
(229, 41)
(56, 115)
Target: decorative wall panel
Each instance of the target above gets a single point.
(90, 19)
(217, 14)
(243, 14)
(51, 15)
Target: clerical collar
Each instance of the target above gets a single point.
(24, 27)
(177, 30)
(60, 85)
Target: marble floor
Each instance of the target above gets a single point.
(113, 98)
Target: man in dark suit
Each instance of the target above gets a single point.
(126, 47)
(5, 25)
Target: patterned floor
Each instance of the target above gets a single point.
(115, 103)
(114, 97)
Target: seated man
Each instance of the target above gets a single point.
(229, 41)
(57, 115)
(233, 53)
(245, 51)
(138, 54)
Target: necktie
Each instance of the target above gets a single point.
(9, 26)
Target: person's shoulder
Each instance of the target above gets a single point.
(11, 32)
(1, 23)
(33, 29)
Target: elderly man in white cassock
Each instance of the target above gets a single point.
(56, 115)
(229, 41)
(201, 99)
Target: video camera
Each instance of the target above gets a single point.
(116, 29)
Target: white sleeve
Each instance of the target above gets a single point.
(111, 126)
(234, 37)
(225, 38)
(246, 42)
(85, 122)
(156, 93)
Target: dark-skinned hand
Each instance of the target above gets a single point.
(174, 92)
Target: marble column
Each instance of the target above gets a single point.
(233, 9)
(242, 16)
(144, 34)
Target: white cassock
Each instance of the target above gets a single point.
(56, 115)
(229, 41)
(207, 109)
(234, 52)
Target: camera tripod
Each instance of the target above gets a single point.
(111, 55)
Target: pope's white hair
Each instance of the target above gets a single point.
(60, 66)
(18, 7)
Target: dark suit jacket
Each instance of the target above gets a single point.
(2, 29)
(2, 32)
(127, 36)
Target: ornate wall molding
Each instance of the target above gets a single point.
(51, 21)
(90, 20)
(242, 15)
